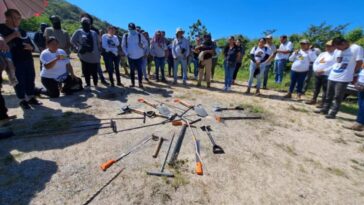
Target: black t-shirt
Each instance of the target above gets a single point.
(208, 45)
(231, 53)
(16, 45)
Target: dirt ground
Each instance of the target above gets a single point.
(292, 156)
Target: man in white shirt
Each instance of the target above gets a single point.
(349, 59)
(134, 45)
(110, 43)
(180, 51)
(268, 65)
(281, 59)
(322, 67)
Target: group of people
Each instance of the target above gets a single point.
(333, 69)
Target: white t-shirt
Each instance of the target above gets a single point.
(59, 71)
(110, 43)
(344, 67)
(288, 46)
(273, 49)
(301, 60)
(260, 53)
(324, 62)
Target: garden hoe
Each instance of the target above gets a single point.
(109, 163)
(216, 149)
(161, 172)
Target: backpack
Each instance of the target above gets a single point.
(88, 45)
(126, 39)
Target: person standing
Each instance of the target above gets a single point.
(180, 52)
(86, 41)
(21, 51)
(231, 54)
(39, 38)
(310, 71)
(207, 50)
(61, 35)
(134, 45)
(322, 67)
(158, 49)
(195, 53)
(281, 59)
(349, 59)
(110, 44)
(258, 58)
(301, 64)
(238, 63)
(268, 65)
(215, 58)
(146, 63)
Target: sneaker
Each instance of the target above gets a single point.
(356, 127)
(311, 102)
(24, 105)
(288, 96)
(247, 91)
(330, 116)
(257, 92)
(104, 83)
(34, 101)
(120, 84)
(141, 85)
(321, 111)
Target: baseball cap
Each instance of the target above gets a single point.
(131, 26)
(269, 36)
(179, 29)
(304, 41)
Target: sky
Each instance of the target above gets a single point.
(227, 17)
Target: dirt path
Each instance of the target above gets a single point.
(293, 156)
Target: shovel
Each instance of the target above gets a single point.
(163, 109)
(199, 109)
(216, 149)
(220, 109)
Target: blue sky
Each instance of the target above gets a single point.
(227, 17)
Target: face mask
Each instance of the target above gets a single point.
(132, 32)
(86, 27)
(57, 25)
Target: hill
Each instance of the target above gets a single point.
(69, 13)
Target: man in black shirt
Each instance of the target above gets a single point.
(21, 51)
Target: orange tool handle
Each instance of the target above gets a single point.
(199, 170)
(177, 123)
(182, 102)
(218, 118)
(107, 164)
(141, 100)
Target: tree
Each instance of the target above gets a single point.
(269, 32)
(322, 33)
(197, 29)
(354, 35)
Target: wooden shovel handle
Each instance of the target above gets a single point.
(183, 103)
(141, 100)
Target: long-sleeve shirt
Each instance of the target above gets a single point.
(110, 43)
(133, 47)
(301, 60)
(79, 38)
(324, 63)
(158, 49)
(180, 48)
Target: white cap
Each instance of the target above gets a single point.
(179, 29)
(269, 36)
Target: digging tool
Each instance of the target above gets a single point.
(163, 110)
(179, 141)
(161, 172)
(158, 148)
(103, 187)
(144, 126)
(198, 169)
(109, 163)
(220, 119)
(111, 123)
(220, 109)
(216, 149)
(127, 109)
(199, 109)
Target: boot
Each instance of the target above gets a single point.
(208, 85)
(257, 92)
(247, 91)
(288, 96)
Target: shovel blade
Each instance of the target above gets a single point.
(163, 110)
(200, 111)
(216, 149)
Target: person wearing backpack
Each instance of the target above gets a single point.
(301, 64)
(158, 49)
(110, 43)
(258, 58)
(180, 51)
(134, 45)
(86, 41)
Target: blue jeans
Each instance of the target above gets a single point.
(183, 63)
(112, 65)
(279, 66)
(266, 75)
(360, 118)
(25, 73)
(159, 65)
(252, 69)
(144, 67)
(297, 78)
(229, 73)
(195, 67)
(136, 64)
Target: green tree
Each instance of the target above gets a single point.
(197, 29)
(322, 33)
(354, 35)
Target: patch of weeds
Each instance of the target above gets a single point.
(252, 108)
(179, 180)
(340, 141)
(179, 164)
(290, 150)
(337, 172)
(302, 168)
(297, 109)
